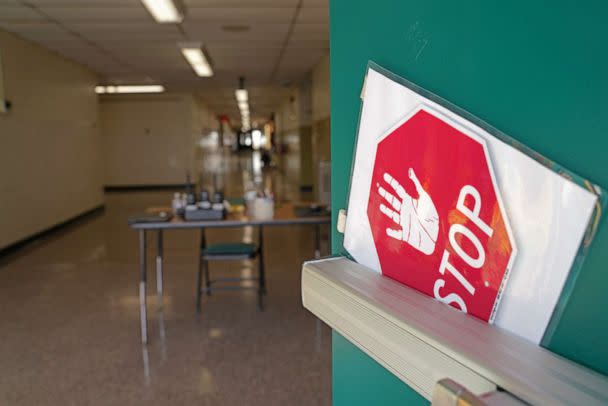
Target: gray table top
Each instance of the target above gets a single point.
(284, 214)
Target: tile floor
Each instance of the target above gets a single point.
(69, 317)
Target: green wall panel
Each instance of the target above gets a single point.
(537, 71)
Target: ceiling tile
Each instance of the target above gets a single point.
(118, 77)
(136, 43)
(296, 58)
(38, 32)
(241, 15)
(72, 43)
(18, 13)
(84, 3)
(238, 63)
(242, 3)
(245, 54)
(84, 55)
(315, 3)
(165, 51)
(213, 31)
(125, 31)
(310, 32)
(309, 43)
(319, 15)
(290, 77)
(246, 44)
(94, 14)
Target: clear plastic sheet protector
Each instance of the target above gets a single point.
(451, 206)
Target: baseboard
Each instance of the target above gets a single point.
(143, 188)
(17, 246)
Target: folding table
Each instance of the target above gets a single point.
(285, 214)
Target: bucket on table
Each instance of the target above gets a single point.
(260, 208)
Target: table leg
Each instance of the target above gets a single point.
(146, 361)
(159, 267)
(162, 334)
(317, 242)
(142, 287)
(261, 264)
(199, 278)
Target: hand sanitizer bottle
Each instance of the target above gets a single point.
(176, 204)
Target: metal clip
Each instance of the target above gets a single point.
(341, 223)
(450, 393)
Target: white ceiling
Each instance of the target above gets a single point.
(120, 40)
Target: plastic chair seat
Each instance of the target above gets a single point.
(230, 251)
(236, 249)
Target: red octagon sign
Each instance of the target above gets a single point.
(436, 214)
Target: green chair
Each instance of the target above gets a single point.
(235, 251)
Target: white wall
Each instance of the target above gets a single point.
(50, 167)
(148, 139)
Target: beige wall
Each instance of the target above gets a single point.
(50, 168)
(288, 114)
(320, 90)
(287, 120)
(149, 139)
(303, 122)
(204, 118)
(320, 114)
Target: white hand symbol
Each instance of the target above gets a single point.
(417, 217)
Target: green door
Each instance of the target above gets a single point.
(517, 65)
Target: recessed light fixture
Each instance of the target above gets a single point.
(165, 11)
(129, 89)
(193, 52)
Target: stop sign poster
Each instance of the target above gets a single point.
(438, 225)
(441, 205)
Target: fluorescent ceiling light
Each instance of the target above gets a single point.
(164, 11)
(196, 57)
(129, 89)
(242, 98)
(241, 95)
